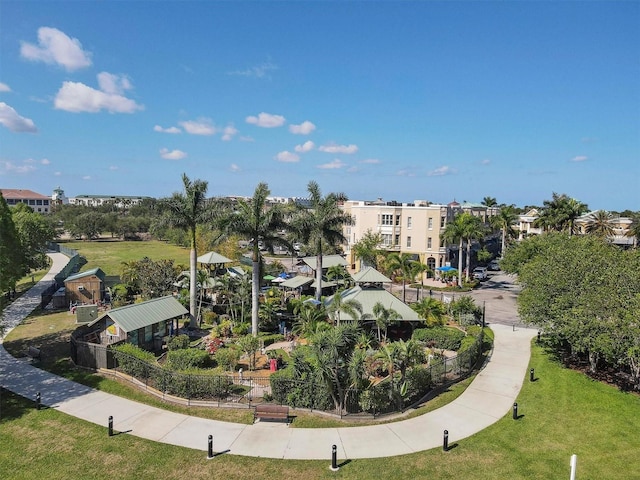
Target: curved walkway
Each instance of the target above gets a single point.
(489, 397)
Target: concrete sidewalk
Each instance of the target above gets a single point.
(489, 397)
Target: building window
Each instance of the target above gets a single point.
(32, 202)
(46, 202)
(430, 223)
(387, 219)
(429, 243)
(408, 242)
(408, 222)
(443, 221)
(38, 202)
(398, 220)
(397, 239)
(386, 239)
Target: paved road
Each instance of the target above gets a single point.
(489, 397)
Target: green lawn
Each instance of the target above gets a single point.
(109, 254)
(564, 413)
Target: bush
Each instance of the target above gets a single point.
(271, 339)
(418, 383)
(187, 358)
(178, 343)
(241, 329)
(133, 361)
(440, 337)
(227, 358)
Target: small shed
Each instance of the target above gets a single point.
(85, 287)
(142, 324)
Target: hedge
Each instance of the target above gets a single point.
(185, 359)
(440, 337)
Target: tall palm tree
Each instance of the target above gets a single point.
(454, 232)
(384, 317)
(504, 221)
(474, 229)
(489, 202)
(254, 220)
(560, 213)
(185, 211)
(402, 264)
(634, 229)
(337, 272)
(322, 222)
(600, 223)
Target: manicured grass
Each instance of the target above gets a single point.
(564, 413)
(109, 254)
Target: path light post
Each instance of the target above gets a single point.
(445, 441)
(38, 401)
(334, 459)
(515, 411)
(210, 448)
(111, 425)
(532, 375)
(574, 465)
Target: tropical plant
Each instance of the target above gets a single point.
(321, 222)
(252, 220)
(404, 266)
(366, 249)
(489, 202)
(634, 229)
(185, 211)
(600, 223)
(11, 258)
(454, 232)
(339, 304)
(473, 230)
(431, 310)
(310, 320)
(560, 213)
(384, 317)
(504, 221)
(249, 345)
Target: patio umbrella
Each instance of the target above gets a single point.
(268, 277)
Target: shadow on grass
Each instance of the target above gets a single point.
(13, 406)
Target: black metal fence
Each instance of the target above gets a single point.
(245, 390)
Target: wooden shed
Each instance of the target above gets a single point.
(142, 324)
(85, 287)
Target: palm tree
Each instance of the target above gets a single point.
(560, 213)
(402, 264)
(322, 222)
(310, 320)
(600, 223)
(489, 202)
(339, 304)
(185, 211)
(337, 272)
(634, 229)
(253, 220)
(504, 221)
(384, 317)
(454, 232)
(431, 310)
(473, 230)
(366, 249)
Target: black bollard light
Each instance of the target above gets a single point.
(210, 449)
(515, 411)
(111, 425)
(334, 459)
(532, 376)
(538, 336)
(445, 441)
(38, 401)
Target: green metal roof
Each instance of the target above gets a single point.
(95, 271)
(140, 315)
(327, 261)
(296, 282)
(368, 297)
(370, 275)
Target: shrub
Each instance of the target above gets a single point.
(241, 329)
(271, 339)
(440, 337)
(212, 344)
(227, 358)
(187, 358)
(178, 343)
(418, 383)
(209, 317)
(133, 361)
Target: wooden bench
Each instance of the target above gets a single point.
(271, 412)
(33, 352)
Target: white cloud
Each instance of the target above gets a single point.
(348, 149)
(10, 167)
(45, 161)
(113, 168)
(77, 97)
(440, 171)
(259, 71)
(353, 169)
(86, 177)
(580, 158)
(266, 120)
(336, 163)
(14, 122)
(486, 161)
(234, 168)
(406, 172)
(174, 130)
(229, 132)
(57, 174)
(4, 87)
(305, 128)
(202, 126)
(305, 147)
(287, 157)
(55, 47)
(172, 154)
(371, 161)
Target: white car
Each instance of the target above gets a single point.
(494, 266)
(480, 273)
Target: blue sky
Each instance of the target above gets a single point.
(400, 100)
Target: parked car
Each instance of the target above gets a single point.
(494, 266)
(480, 273)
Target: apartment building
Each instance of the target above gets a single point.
(97, 200)
(38, 202)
